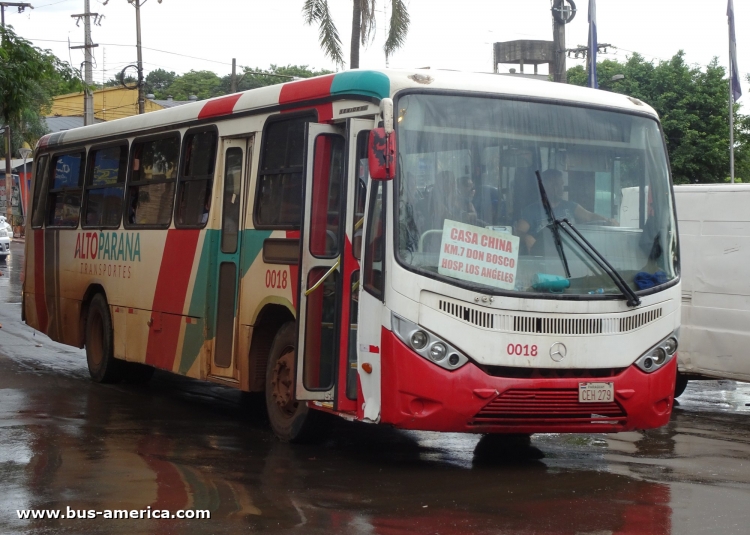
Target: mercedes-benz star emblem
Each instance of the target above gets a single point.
(558, 351)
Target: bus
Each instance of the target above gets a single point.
(424, 249)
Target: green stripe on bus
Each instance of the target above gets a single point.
(203, 298)
(368, 83)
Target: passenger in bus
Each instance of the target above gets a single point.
(534, 219)
(454, 200)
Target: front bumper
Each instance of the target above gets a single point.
(417, 394)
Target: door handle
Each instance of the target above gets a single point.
(324, 277)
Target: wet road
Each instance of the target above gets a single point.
(180, 444)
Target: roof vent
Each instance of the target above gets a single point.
(151, 96)
(193, 98)
(169, 98)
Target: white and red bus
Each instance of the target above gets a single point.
(429, 250)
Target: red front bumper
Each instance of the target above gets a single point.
(417, 394)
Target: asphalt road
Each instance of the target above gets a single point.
(177, 444)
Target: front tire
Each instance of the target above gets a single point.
(291, 420)
(680, 385)
(103, 366)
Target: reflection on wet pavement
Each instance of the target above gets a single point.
(180, 444)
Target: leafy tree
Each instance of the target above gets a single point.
(692, 105)
(29, 77)
(252, 78)
(363, 28)
(203, 84)
(159, 81)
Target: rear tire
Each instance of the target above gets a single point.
(291, 420)
(103, 366)
(680, 385)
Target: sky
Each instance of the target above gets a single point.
(180, 35)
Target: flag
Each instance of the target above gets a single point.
(594, 45)
(734, 71)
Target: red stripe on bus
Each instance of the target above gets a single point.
(294, 270)
(169, 297)
(39, 297)
(220, 106)
(312, 88)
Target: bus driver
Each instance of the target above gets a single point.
(534, 219)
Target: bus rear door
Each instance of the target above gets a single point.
(235, 154)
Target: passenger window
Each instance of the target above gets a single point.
(375, 250)
(278, 202)
(64, 203)
(328, 172)
(230, 214)
(196, 179)
(40, 192)
(360, 195)
(105, 182)
(152, 177)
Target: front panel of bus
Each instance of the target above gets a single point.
(533, 272)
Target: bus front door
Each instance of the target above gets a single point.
(329, 272)
(231, 201)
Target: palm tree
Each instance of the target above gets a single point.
(363, 28)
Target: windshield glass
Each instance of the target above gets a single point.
(469, 207)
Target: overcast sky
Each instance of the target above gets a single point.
(180, 35)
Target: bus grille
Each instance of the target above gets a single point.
(520, 407)
(547, 324)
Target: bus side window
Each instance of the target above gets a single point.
(374, 278)
(40, 192)
(278, 200)
(64, 202)
(105, 182)
(196, 179)
(153, 171)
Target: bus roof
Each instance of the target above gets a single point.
(373, 85)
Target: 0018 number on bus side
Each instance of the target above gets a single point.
(277, 278)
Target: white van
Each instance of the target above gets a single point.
(714, 225)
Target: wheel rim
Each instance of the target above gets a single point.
(95, 342)
(282, 381)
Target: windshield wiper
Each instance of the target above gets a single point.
(632, 299)
(553, 223)
(556, 224)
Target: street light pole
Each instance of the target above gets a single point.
(141, 103)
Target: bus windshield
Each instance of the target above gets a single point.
(471, 172)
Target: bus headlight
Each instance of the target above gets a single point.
(419, 340)
(427, 345)
(658, 356)
(438, 351)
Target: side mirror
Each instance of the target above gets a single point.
(381, 154)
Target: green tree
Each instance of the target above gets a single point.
(29, 78)
(252, 78)
(203, 84)
(691, 103)
(159, 82)
(363, 28)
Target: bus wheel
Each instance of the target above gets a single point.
(103, 366)
(291, 420)
(680, 385)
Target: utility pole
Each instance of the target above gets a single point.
(8, 170)
(88, 99)
(137, 4)
(233, 88)
(558, 38)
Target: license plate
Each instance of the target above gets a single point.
(596, 392)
